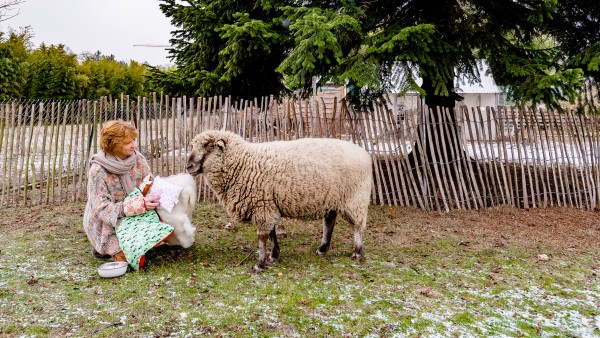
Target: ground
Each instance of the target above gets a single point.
(499, 272)
(562, 228)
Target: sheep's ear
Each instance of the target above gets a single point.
(220, 144)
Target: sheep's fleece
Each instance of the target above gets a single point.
(308, 178)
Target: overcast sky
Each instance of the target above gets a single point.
(110, 26)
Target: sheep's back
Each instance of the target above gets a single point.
(301, 178)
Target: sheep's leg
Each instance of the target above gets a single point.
(328, 224)
(359, 228)
(262, 244)
(274, 258)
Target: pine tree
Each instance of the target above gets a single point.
(253, 48)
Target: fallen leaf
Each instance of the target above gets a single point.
(543, 257)
(429, 293)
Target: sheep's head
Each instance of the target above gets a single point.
(207, 149)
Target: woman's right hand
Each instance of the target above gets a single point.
(151, 202)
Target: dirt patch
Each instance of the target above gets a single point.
(39, 218)
(560, 228)
(568, 229)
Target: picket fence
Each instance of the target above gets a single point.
(478, 159)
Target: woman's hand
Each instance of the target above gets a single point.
(151, 202)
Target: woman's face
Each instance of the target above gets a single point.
(126, 150)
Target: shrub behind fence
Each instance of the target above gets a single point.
(523, 158)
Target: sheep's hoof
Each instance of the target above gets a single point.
(321, 253)
(256, 269)
(358, 257)
(273, 260)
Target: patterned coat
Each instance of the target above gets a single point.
(104, 208)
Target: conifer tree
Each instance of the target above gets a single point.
(254, 48)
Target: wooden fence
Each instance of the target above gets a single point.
(431, 159)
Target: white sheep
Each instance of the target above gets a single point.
(305, 178)
(180, 217)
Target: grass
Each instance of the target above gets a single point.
(465, 273)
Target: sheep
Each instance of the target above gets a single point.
(307, 178)
(180, 216)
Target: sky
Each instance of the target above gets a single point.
(109, 26)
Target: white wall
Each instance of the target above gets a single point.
(480, 100)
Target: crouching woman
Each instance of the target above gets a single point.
(113, 177)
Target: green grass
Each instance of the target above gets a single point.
(422, 276)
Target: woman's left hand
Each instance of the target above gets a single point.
(151, 202)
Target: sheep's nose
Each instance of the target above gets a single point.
(189, 167)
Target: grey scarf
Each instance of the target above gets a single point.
(117, 166)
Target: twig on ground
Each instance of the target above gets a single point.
(243, 260)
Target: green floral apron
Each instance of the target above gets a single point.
(138, 234)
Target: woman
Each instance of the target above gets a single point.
(114, 173)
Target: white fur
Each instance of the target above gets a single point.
(181, 215)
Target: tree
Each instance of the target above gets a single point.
(8, 9)
(219, 45)
(105, 76)
(14, 53)
(264, 47)
(577, 28)
(224, 47)
(52, 73)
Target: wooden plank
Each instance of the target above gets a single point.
(60, 151)
(539, 175)
(54, 132)
(450, 171)
(567, 168)
(554, 165)
(474, 165)
(85, 113)
(7, 145)
(508, 119)
(69, 179)
(363, 141)
(572, 151)
(421, 173)
(43, 156)
(371, 132)
(478, 154)
(20, 146)
(526, 119)
(594, 140)
(458, 153)
(436, 152)
(31, 155)
(391, 140)
(174, 112)
(3, 131)
(540, 163)
(77, 154)
(587, 187)
(399, 140)
(486, 139)
(501, 160)
(471, 162)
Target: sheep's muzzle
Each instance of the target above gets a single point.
(194, 165)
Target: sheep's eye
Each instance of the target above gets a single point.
(208, 146)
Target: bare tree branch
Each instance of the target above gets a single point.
(9, 9)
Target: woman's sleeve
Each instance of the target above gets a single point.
(105, 210)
